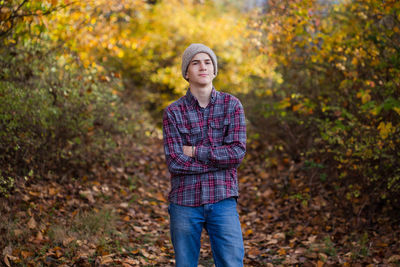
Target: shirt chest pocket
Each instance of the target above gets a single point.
(217, 131)
(190, 136)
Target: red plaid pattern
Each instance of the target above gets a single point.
(219, 134)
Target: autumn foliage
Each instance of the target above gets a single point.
(83, 85)
(59, 114)
(338, 104)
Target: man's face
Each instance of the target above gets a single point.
(200, 70)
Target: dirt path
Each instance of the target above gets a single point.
(119, 218)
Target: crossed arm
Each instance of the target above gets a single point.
(182, 159)
(189, 151)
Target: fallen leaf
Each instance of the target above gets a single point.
(6, 262)
(290, 261)
(272, 242)
(282, 251)
(35, 194)
(88, 195)
(160, 197)
(39, 236)
(253, 252)
(312, 255)
(130, 261)
(26, 254)
(7, 250)
(248, 232)
(32, 223)
(67, 241)
(52, 191)
(18, 232)
(382, 244)
(394, 258)
(106, 259)
(146, 254)
(279, 236)
(323, 257)
(138, 229)
(300, 250)
(11, 258)
(58, 252)
(124, 205)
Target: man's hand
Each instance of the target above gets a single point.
(187, 150)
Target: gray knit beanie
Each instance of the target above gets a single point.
(191, 51)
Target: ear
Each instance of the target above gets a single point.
(186, 76)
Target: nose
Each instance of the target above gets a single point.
(203, 66)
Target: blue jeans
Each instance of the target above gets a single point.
(222, 224)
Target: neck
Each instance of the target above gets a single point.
(202, 94)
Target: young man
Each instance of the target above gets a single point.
(204, 143)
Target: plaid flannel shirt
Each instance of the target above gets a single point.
(219, 134)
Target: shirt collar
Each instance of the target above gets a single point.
(192, 101)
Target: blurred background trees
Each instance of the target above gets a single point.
(338, 104)
(319, 81)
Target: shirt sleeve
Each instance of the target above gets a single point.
(177, 161)
(233, 149)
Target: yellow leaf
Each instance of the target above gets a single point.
(397, 110)
(385, 129)
(366, 97)
(375, 111)
(284, 103)
(120, 53)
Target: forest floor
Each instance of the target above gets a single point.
(119, 217)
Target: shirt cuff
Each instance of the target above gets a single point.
(202, 153)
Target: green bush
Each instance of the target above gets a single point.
(55, 115)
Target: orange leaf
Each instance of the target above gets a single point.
(282, 251)
(248, 232)
(253, 252)
(135, 251)
(26, 254)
